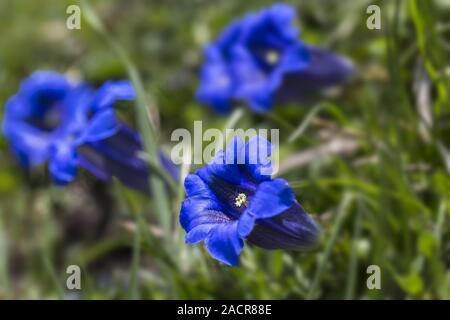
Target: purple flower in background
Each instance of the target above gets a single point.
(70, 125)
(259, 59)
(233, 199)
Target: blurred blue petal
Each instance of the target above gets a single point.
(63, 163)
(325, 70)
(111, 92)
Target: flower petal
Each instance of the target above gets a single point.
(271, 198)
(198, 233)
(246, 224)
(325, 70)
(199, 210)
(257, 161)
(41, 87)
(63, 163)
(224, 243)
(103, 125)
(215, 86)
(292, 229)
(110, 92)
(195, 186)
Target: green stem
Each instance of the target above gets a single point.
(353, 267)
(305, 123)
(147, 128)
(342, 213)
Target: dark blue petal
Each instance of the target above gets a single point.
(293, 229)
(99, 160)
(120, 156)
(325, 70)
(200, 210)
(224, 243)
(271, 198)
(195, 186)
(218, 169)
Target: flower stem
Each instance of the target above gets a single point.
(342, 213)
(147, 127)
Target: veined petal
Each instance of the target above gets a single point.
(293, 229)
(199, 210)
(271, 198)
(198, 233)
(195, 186)
(224, 243)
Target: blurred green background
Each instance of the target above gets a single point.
(371, 165)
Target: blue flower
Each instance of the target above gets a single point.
(73, 126)
(254, 55)
(47, 109)
(90, 147)
(233, 199)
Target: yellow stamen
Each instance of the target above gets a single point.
(272, 57)
(240, 200)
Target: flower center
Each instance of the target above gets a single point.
(272, 57)
(48, 117)
(240, 200)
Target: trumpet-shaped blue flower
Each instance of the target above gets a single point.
(233, 199)
(46, 109)
(259, 59)
(70, 125)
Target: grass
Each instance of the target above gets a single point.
(385, 201)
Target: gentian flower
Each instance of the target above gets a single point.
(233, 199)
(70, 125)
(259, 59)
(47, 109)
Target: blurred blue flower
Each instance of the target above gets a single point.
(254, 55)
(234, 199)
(70, 125)
(89, 146)
(46, 110)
